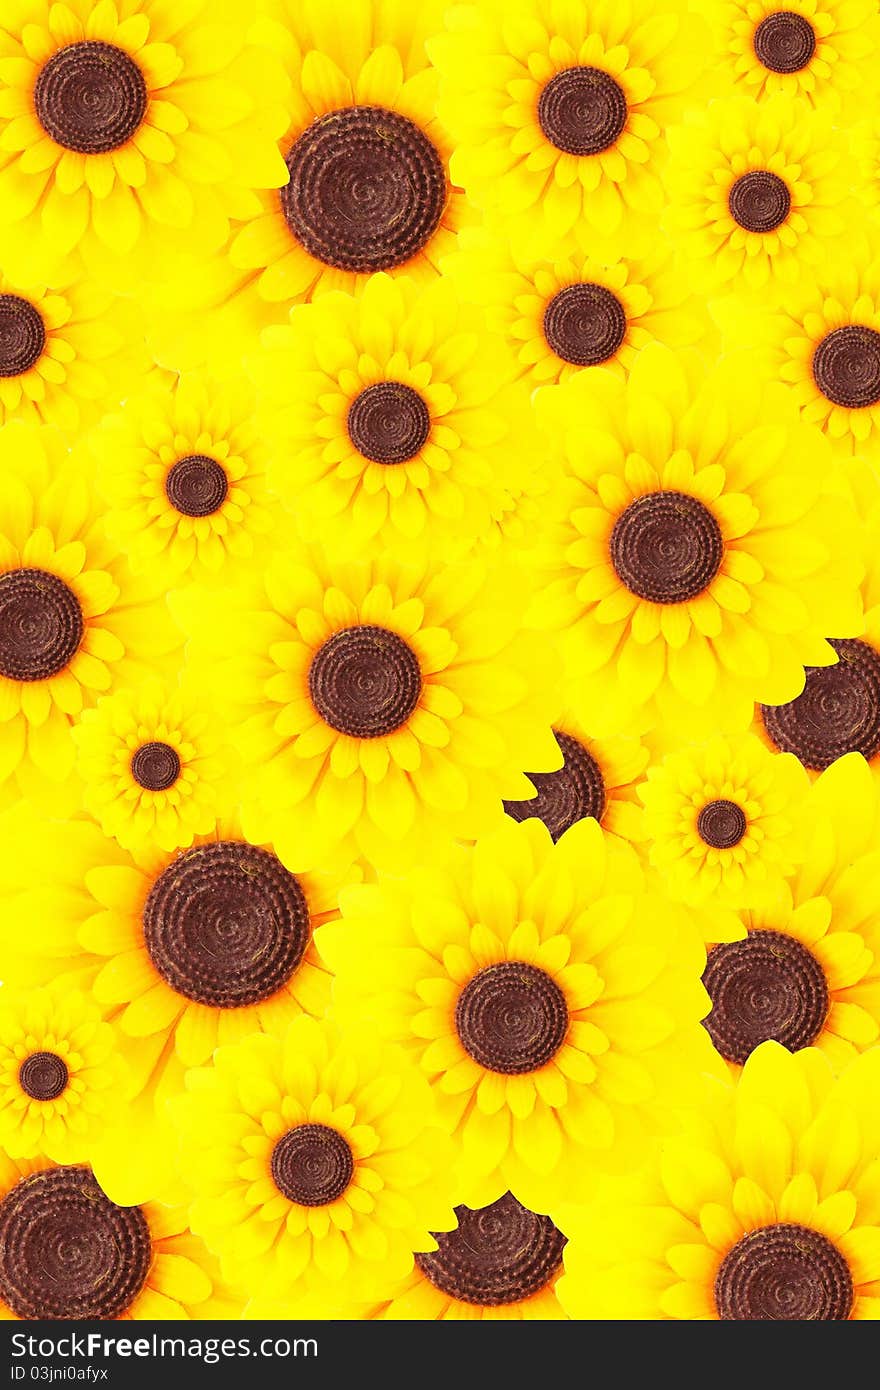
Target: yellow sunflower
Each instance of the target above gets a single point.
(560, 113)
(765, 1209)
(67, 1252)
(755, 192)
(375, 703)
(822, 50)
(547, 998)
(558, 317)
(692, 556)
(61, 1073)
(183, 470)
(155, 766)
(72, 617)
(115, 117)
(724, 820)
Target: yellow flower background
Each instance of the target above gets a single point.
(439, 660)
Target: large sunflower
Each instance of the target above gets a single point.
(560, 113)
(547, 998)
(765, 1209)
(693, 556)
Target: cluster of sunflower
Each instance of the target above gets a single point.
(439, 659)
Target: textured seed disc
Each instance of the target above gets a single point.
(759, 201)
(498, 1254)
(846, 366)
(511, 1018)
(721, 824)
(582, 110)
(41, 625)
(155, 766)
(837, 712)
(365, 681)
(22, 335)
(367, 189)
(68, 1252)
(43, 1075)
(312, 1165)
(784, 42)
(388, 423)
(768, 986)
(584, 324)
(90, 97)
(576, 791)
(196, 485)
(784, 1273)
(666, 547)
(226, 924)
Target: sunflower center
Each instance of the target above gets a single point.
(41, 625)
(155, 766)
(721, 824)
(226, 924)
(367, 189)
(784, 42)
(576, 790)
(68, 1252)
(511, 1018)
(768, 986)
(846, 366)
(759, 201)
(365, 681)
(837, 712)
(196, 485)
(312, 1165)
(43, 1075)
(584, 324)
(498, 1254)
(90, 97)
(784, 1272)
(666, 547)
(22, 335)
(388, 422)
(582, 110)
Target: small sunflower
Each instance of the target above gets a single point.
(184, 474)
(694, 555)
(548, 1000)
(113, 120)
(723, 820)
(69, 1253)
(755, 192)
(315, 1158)
(154, 766)
(565, 111)
(765, 1209)
(61, 1073)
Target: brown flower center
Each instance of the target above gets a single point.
(721, 824)
(67, 1252)
(90, 97)
(837, 712)
(582, 110)
(846, 366)
(155, 766)
(41, 625)
(784, 42)
(43, 1076)
(226, 924)
(388, 423)
(666, 547)
(367, 189)
(365, 681)
(22, 335)
(498, 1254)
(196, 485)
(759, 201)
(584, 324)
(312, 1165)
(784, 1272)
(575, 791)
(768, 986)
(511, 1018)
